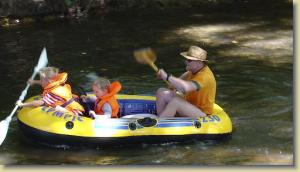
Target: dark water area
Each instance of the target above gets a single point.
(250, 52)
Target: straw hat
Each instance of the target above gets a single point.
(195, 53)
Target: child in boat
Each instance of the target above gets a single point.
(106, 104)
(56, 94)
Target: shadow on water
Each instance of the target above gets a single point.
(250, 51)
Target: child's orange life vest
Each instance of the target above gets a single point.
(113, 89)
(58, 87)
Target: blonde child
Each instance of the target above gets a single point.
(56, 93)
(106, 103)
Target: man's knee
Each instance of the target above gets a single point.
(162, 92)
(176, 101)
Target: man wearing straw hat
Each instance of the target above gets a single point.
(198, 83)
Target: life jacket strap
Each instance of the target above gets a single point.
(68, 102)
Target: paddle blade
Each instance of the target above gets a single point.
(3, 130)
(145, 55)
(43, 60)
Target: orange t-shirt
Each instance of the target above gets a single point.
(204, 97)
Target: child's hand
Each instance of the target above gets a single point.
(61, 109)
(92, 114)
(30, 82)
(20, 103)
(84, 98)
(33, 82)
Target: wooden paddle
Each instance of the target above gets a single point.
(4, 124)
(148, 56)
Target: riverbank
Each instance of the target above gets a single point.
(15, 12)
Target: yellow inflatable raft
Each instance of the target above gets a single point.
(138, 124)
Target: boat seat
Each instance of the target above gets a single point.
(136, 106)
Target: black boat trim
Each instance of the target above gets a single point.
(61, 139)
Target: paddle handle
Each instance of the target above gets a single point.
(5, 123)
(8, 119)
(24, 92)
(153, 66)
